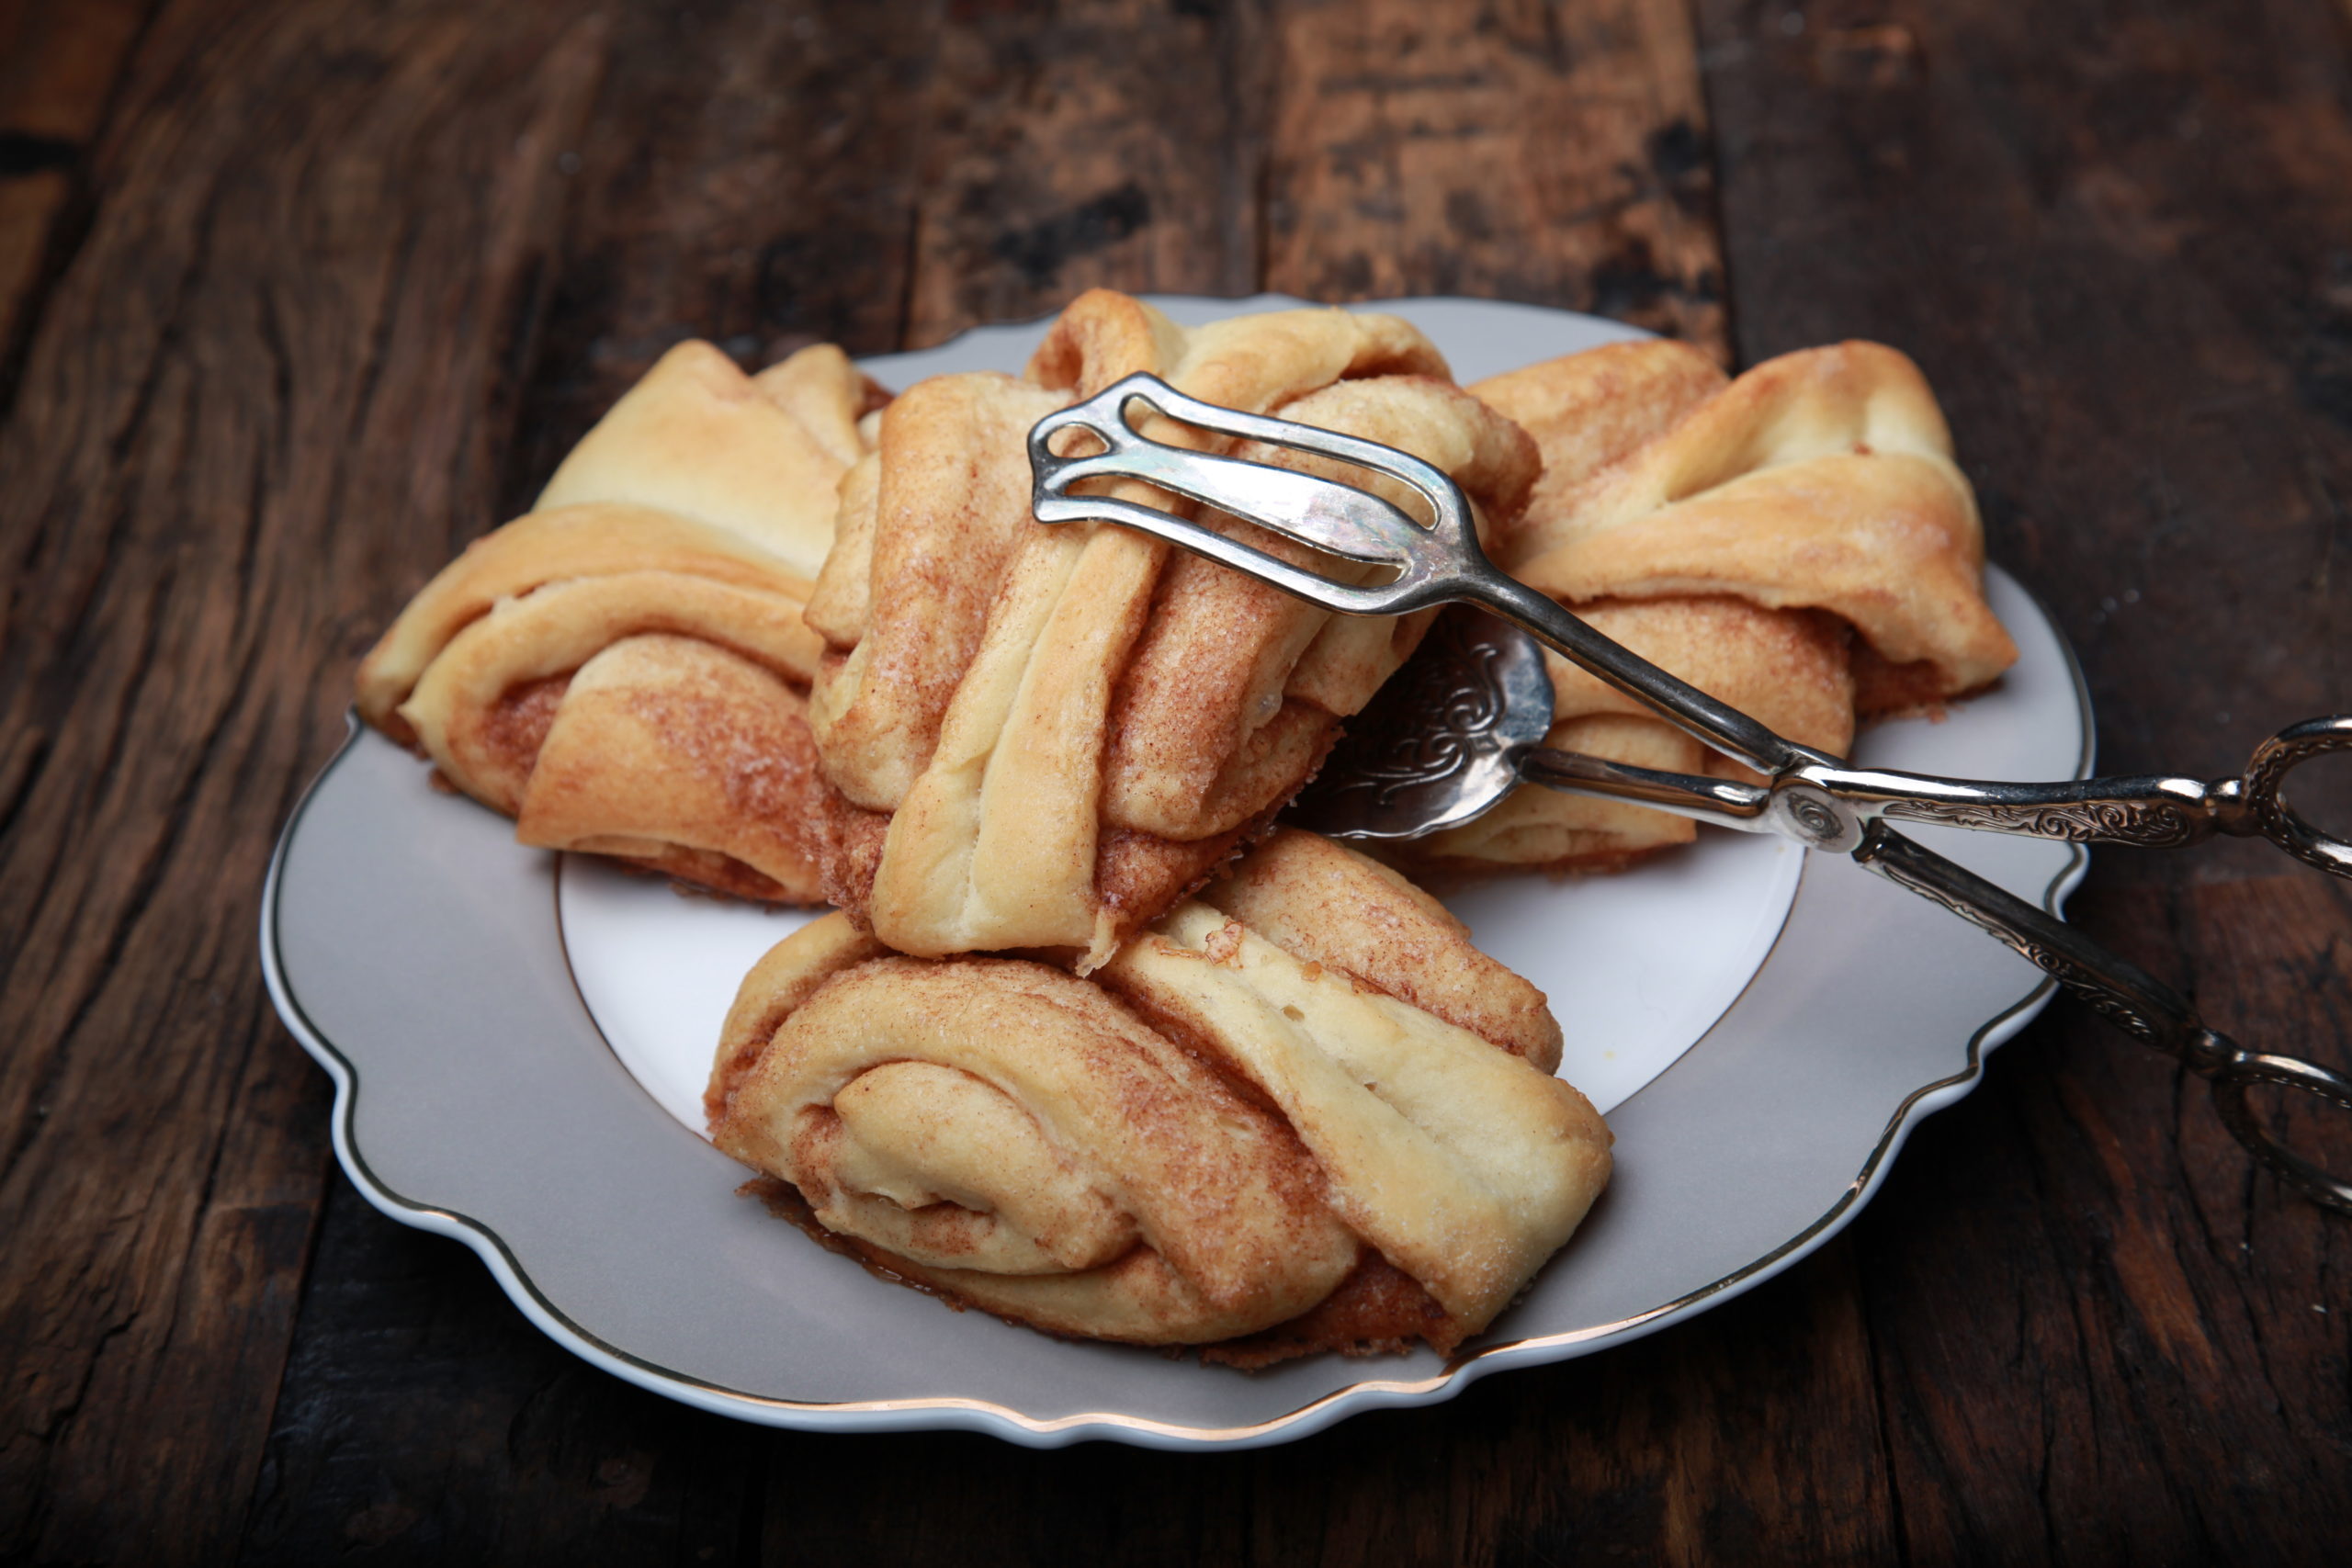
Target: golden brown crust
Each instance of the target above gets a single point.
(1322, 902)
(571, 544)
(949, 509)
(1252, 363)
(1218, 1140)
(621, 669)
(785, 977)
(670, 750)
(1588, 411)
(755, 457)
(1377, 1310)
(1014, 1136)
(1029, 706)
(1796, 543)
(1820, 480)
(1463, 1164)
(1235, 689)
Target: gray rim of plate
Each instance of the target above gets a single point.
(1867, 988)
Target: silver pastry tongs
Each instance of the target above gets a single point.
(1807, 795)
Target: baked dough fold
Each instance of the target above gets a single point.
(1797, 543)
(623, 668)
(1248, 1129)
(1039, 738)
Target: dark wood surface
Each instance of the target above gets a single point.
(297, 298)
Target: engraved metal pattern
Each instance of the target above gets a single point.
(1442, 742)
(1443, 564)
(2154, 824)
(2287, 1073)
(2265, 775)
(1458, 698)
(2135, 1003)
(1815, 817)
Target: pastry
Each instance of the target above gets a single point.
(1797, 543)
(624, 669)
(1301, 1113)
(1038, 738)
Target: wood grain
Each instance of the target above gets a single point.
(743, 175)
(424, 1417)
(747, 177)
(1015, 213)
(60, 60)
(337, 282)
(2094, 1320)
(1099, 143)
(1551, 152)
(2115, 238)
(216, 456)
(2146, 1357)
(1634, 1455)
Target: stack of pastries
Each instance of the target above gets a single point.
(1088, 1042)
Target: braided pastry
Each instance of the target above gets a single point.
(1039, 738)
(1302, 1114)
(1797, 543)
(621, 669)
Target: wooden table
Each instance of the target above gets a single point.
(295, 299)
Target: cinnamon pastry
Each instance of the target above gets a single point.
(1797, 543)
(1039, 738)
(623, 668)
(1301, 1113)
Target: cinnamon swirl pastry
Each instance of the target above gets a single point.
(623, 670)
(1302, 1114)
(1038, 738)
(1797, 543)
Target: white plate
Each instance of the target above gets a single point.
(1640, 966)
(463, 995)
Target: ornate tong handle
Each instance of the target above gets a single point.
(1812, 797)
(2129, 997)
(2156, 811)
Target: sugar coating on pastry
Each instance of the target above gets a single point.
(761, 457)
(684, 757)
(1039, 738)
(1797, 543)
(1233, 1134)
(624, 669)
(1326, 904)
